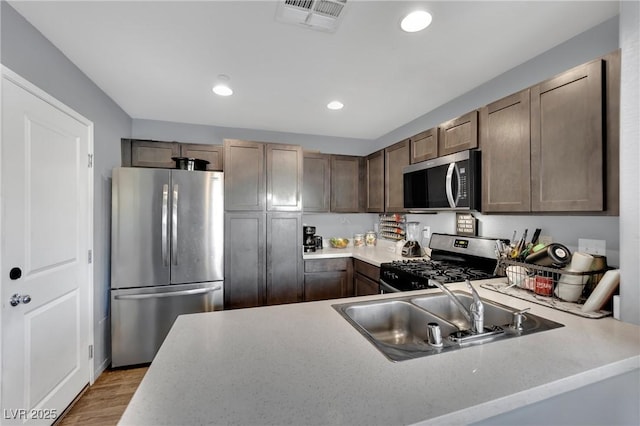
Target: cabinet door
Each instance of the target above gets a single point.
(346, 177)
(244, 260)
(374, 164)
(325, 285)
(284, 258)
(212, 153)
(284, 177)
(244, 181)
(365, 286)
(567, 141)
(505, 141)
(396, 158)
(156, 154)
(316, 181)
(458, 134)
(424, 145)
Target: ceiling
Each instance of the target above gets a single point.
(158, 60)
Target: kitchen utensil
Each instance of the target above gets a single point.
(570, 286)
(536, 235)
(603, 291)
(516, 275)
(544, 285)
(186, 163)
(553, 255)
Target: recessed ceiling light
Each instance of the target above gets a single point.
(416, 21)
(221, 87)
(335, 105)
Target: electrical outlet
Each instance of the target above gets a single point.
(598, 247)
(426, 232)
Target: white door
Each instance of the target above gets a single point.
(46, 196)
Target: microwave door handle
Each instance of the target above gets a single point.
(165, 224)
(449, 185)
(458, 180)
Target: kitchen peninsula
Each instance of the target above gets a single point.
(305, 364)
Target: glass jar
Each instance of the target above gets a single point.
(370, 239)
(358, 240)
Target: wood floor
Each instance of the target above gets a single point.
(103, 403)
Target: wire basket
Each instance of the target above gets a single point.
(552, 287)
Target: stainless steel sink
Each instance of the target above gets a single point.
(398, 327)
(443, 306)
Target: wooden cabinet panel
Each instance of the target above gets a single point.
(506, 162)
(328, 285)
(374, 164)
(212, 153)
(567, 141)
(328, 278)
(244, 183)
(244, 260)
(364, 286)
(146, 153)
(284, 177)
(424, 145)
(316, 192)
(366, 278)
(284, 258)
(458, 134)
(347, 196)
(396, 158)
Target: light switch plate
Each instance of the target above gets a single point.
(592, 246)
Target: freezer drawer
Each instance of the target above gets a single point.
(142, 317)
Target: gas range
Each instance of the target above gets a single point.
(453, 259)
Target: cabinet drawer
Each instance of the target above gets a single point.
(367, 270)
(327, 265)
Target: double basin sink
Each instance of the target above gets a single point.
(398, 327)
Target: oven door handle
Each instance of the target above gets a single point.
(386, 288)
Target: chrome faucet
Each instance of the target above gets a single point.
(474, 314)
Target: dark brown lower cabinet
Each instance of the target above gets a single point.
(263, 259)
(366, 278)
(328, 278)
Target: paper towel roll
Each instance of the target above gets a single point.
(603, 291)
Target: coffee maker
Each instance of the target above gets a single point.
(412, 247)
(309, 238)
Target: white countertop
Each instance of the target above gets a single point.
(384, 251)
(304, 363)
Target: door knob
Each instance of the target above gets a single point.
(16, 299)
(15, 273)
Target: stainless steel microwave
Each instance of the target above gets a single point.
(451, 182)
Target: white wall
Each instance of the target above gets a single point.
(629, 163)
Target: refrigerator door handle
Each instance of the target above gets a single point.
(165, 208)
(174, 226)
(167, 294)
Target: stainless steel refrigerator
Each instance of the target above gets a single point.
(166, 255)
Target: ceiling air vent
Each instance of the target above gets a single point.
(321, 15)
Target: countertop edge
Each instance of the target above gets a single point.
(539, 393)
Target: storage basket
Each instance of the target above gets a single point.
(548, 286)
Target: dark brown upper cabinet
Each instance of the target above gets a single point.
(316, 191)
(505, 141)
(424, 145)
(284, 177)
(245, 177)
(158, 154)
(347, 184)
(214, 154)
(375, 173)
(397, 156)
(567, 146)
(458, 134)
